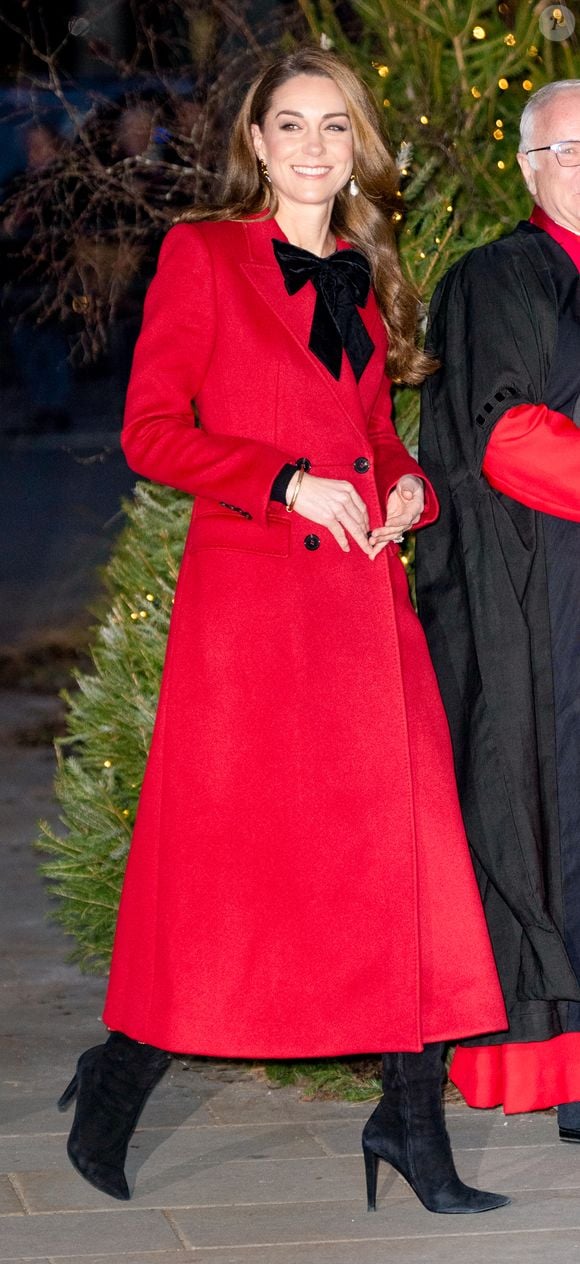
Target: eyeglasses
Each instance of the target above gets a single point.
(567, 152)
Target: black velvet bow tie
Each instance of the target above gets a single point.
(342, 283)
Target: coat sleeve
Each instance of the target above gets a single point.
(392, 460)
(533, 456)
(160, 438)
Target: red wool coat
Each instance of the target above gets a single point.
(298, 882)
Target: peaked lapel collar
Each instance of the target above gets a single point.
(296, 311)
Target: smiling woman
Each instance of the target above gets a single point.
(298, 855)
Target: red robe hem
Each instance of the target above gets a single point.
(519, 1077)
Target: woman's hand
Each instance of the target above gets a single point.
(335, 504)
(405, 504)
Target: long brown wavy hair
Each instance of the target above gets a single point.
(366, 221)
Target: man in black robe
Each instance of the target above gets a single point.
(498, 584)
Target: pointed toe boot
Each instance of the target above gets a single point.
(407, 1130)
(111, 1085)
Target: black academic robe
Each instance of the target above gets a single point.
(483, 590)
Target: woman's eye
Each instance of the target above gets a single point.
(288, 127)
(337, 127)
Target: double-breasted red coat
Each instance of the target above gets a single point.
(299, 881)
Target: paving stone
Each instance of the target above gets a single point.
(398, 1216)
(190, 1147)
(113, 1233)
(540, 1167)
(9, 1200)
(186, 1183)
(141, 1257)
(256, 1103)
(557, 1248)
(468, 1130)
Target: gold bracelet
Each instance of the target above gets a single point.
(290, 506)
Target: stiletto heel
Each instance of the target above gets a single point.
(372, 1176)
(69, 1092)
(407, 1130)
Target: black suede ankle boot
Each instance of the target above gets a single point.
(112, 1083)
(407, 1130)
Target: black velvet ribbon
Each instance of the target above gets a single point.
(342, 282)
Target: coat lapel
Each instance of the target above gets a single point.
(295, 312)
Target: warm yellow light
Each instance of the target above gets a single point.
(450, 208)
(498, 134)
(383, 71)
(499, 122)
(386, 103)
(503, 84)
(422, 254)
(396, 216)
(478, 32)
(107, 763)
(510, 40)
(424, 119)
(532, 50)
(527, 85)
(501, 165)
(475, 93)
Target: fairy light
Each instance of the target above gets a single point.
(527, 85)
(501, 165)
(107, 763)
(478, 32)
(475, 93)
(498, 134)
(510, 40)
(503, 84)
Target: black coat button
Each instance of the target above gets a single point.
(362, 465)
(312, 542)
(304, 464)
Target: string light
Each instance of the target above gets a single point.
(424, 119)
(503, 84)
(532, 51)
(134, 615)
(501, 165)
(107, 763)
(382, 71)
(498, 134)
(478, 32)
(527, 85)
(475, 93)
(510, 40)
(499, 122)
(149, 597)
(386, 103)
(396, 217)
(449, 208)
(125, 811)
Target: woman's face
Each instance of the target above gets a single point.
(306, 140)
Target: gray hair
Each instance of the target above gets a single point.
(532, 108)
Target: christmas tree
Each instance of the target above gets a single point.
(451, 79)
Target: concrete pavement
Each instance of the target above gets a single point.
(226, 1169)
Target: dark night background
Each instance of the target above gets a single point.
(62, 475)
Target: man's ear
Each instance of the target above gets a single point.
(528, 173)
